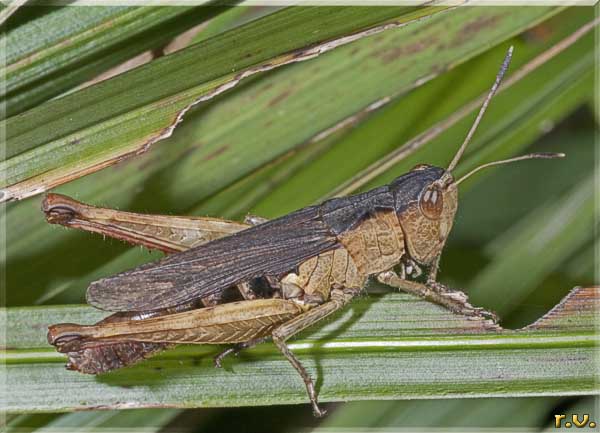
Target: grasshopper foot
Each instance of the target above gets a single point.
(317, 411)
(458, 302)
(254, 220)
(236, 349)
(453, 300)
(219, 358)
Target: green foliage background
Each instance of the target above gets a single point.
(524, 236)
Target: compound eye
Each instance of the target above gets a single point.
(431, 202)
(420, 167)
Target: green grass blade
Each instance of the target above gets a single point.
(147, 420)
(516, 413)
(232, 18)
(64, 47)
(536, 246)
(6, 10)
(394, 346)
(99, 125)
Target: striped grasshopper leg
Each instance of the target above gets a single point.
(161, 232)
(235, 322)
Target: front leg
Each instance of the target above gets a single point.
(433, 270)
(454, 300)
(457, 296)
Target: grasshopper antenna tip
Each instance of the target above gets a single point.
(492, 92)
(539, 155)
(550, 155)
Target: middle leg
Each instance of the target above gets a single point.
(237, 348)
(339, 298)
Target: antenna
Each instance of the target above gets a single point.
(499, 77)
(506, 161)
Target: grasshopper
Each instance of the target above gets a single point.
(243, 283)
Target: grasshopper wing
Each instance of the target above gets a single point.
(272, 248)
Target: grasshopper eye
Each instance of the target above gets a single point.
(431, 202)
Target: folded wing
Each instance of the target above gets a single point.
(272, 248)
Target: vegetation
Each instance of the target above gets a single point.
(278, 108)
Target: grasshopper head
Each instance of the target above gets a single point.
(427, 196)
(426, 203)
(425, 209)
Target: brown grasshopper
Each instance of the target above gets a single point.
(227, 282)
